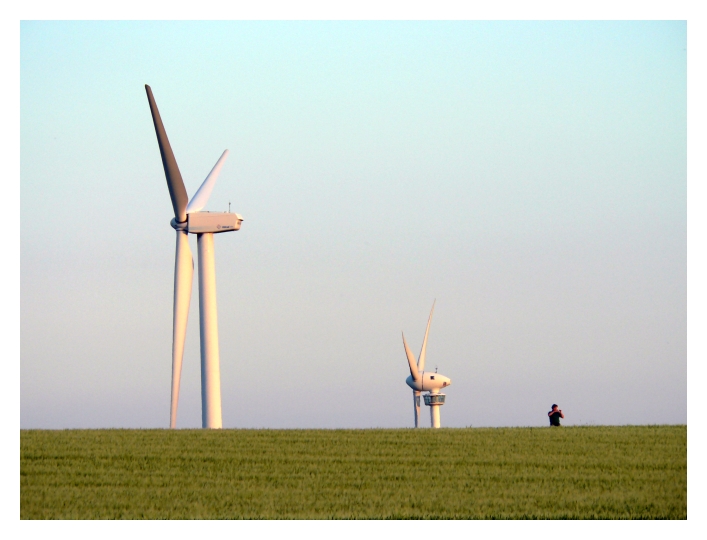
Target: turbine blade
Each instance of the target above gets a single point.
(201, 197)
(177, 192)
(423, 352)
(183, 275)
(416, 404)
(411, 360)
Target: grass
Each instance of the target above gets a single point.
(629, 472)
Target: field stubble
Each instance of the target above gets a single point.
(628, 472)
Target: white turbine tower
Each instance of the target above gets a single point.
(189, 219)
(422, 381)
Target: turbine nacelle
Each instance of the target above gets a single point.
(428, 382)
(209, 222)
(213, 222)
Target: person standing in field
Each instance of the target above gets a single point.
(555, 414)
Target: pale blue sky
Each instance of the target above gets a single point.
(530, 176)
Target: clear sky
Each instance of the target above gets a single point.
(530, 176)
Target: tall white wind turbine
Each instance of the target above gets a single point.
(422, 381)
(188, 218)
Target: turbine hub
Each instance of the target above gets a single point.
(179, 226)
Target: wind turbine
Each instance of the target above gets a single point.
(422, 381)
(188, 218)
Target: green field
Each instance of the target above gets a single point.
(631, 472)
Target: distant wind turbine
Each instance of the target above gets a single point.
(421, 381)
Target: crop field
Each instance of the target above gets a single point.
(629, 472)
